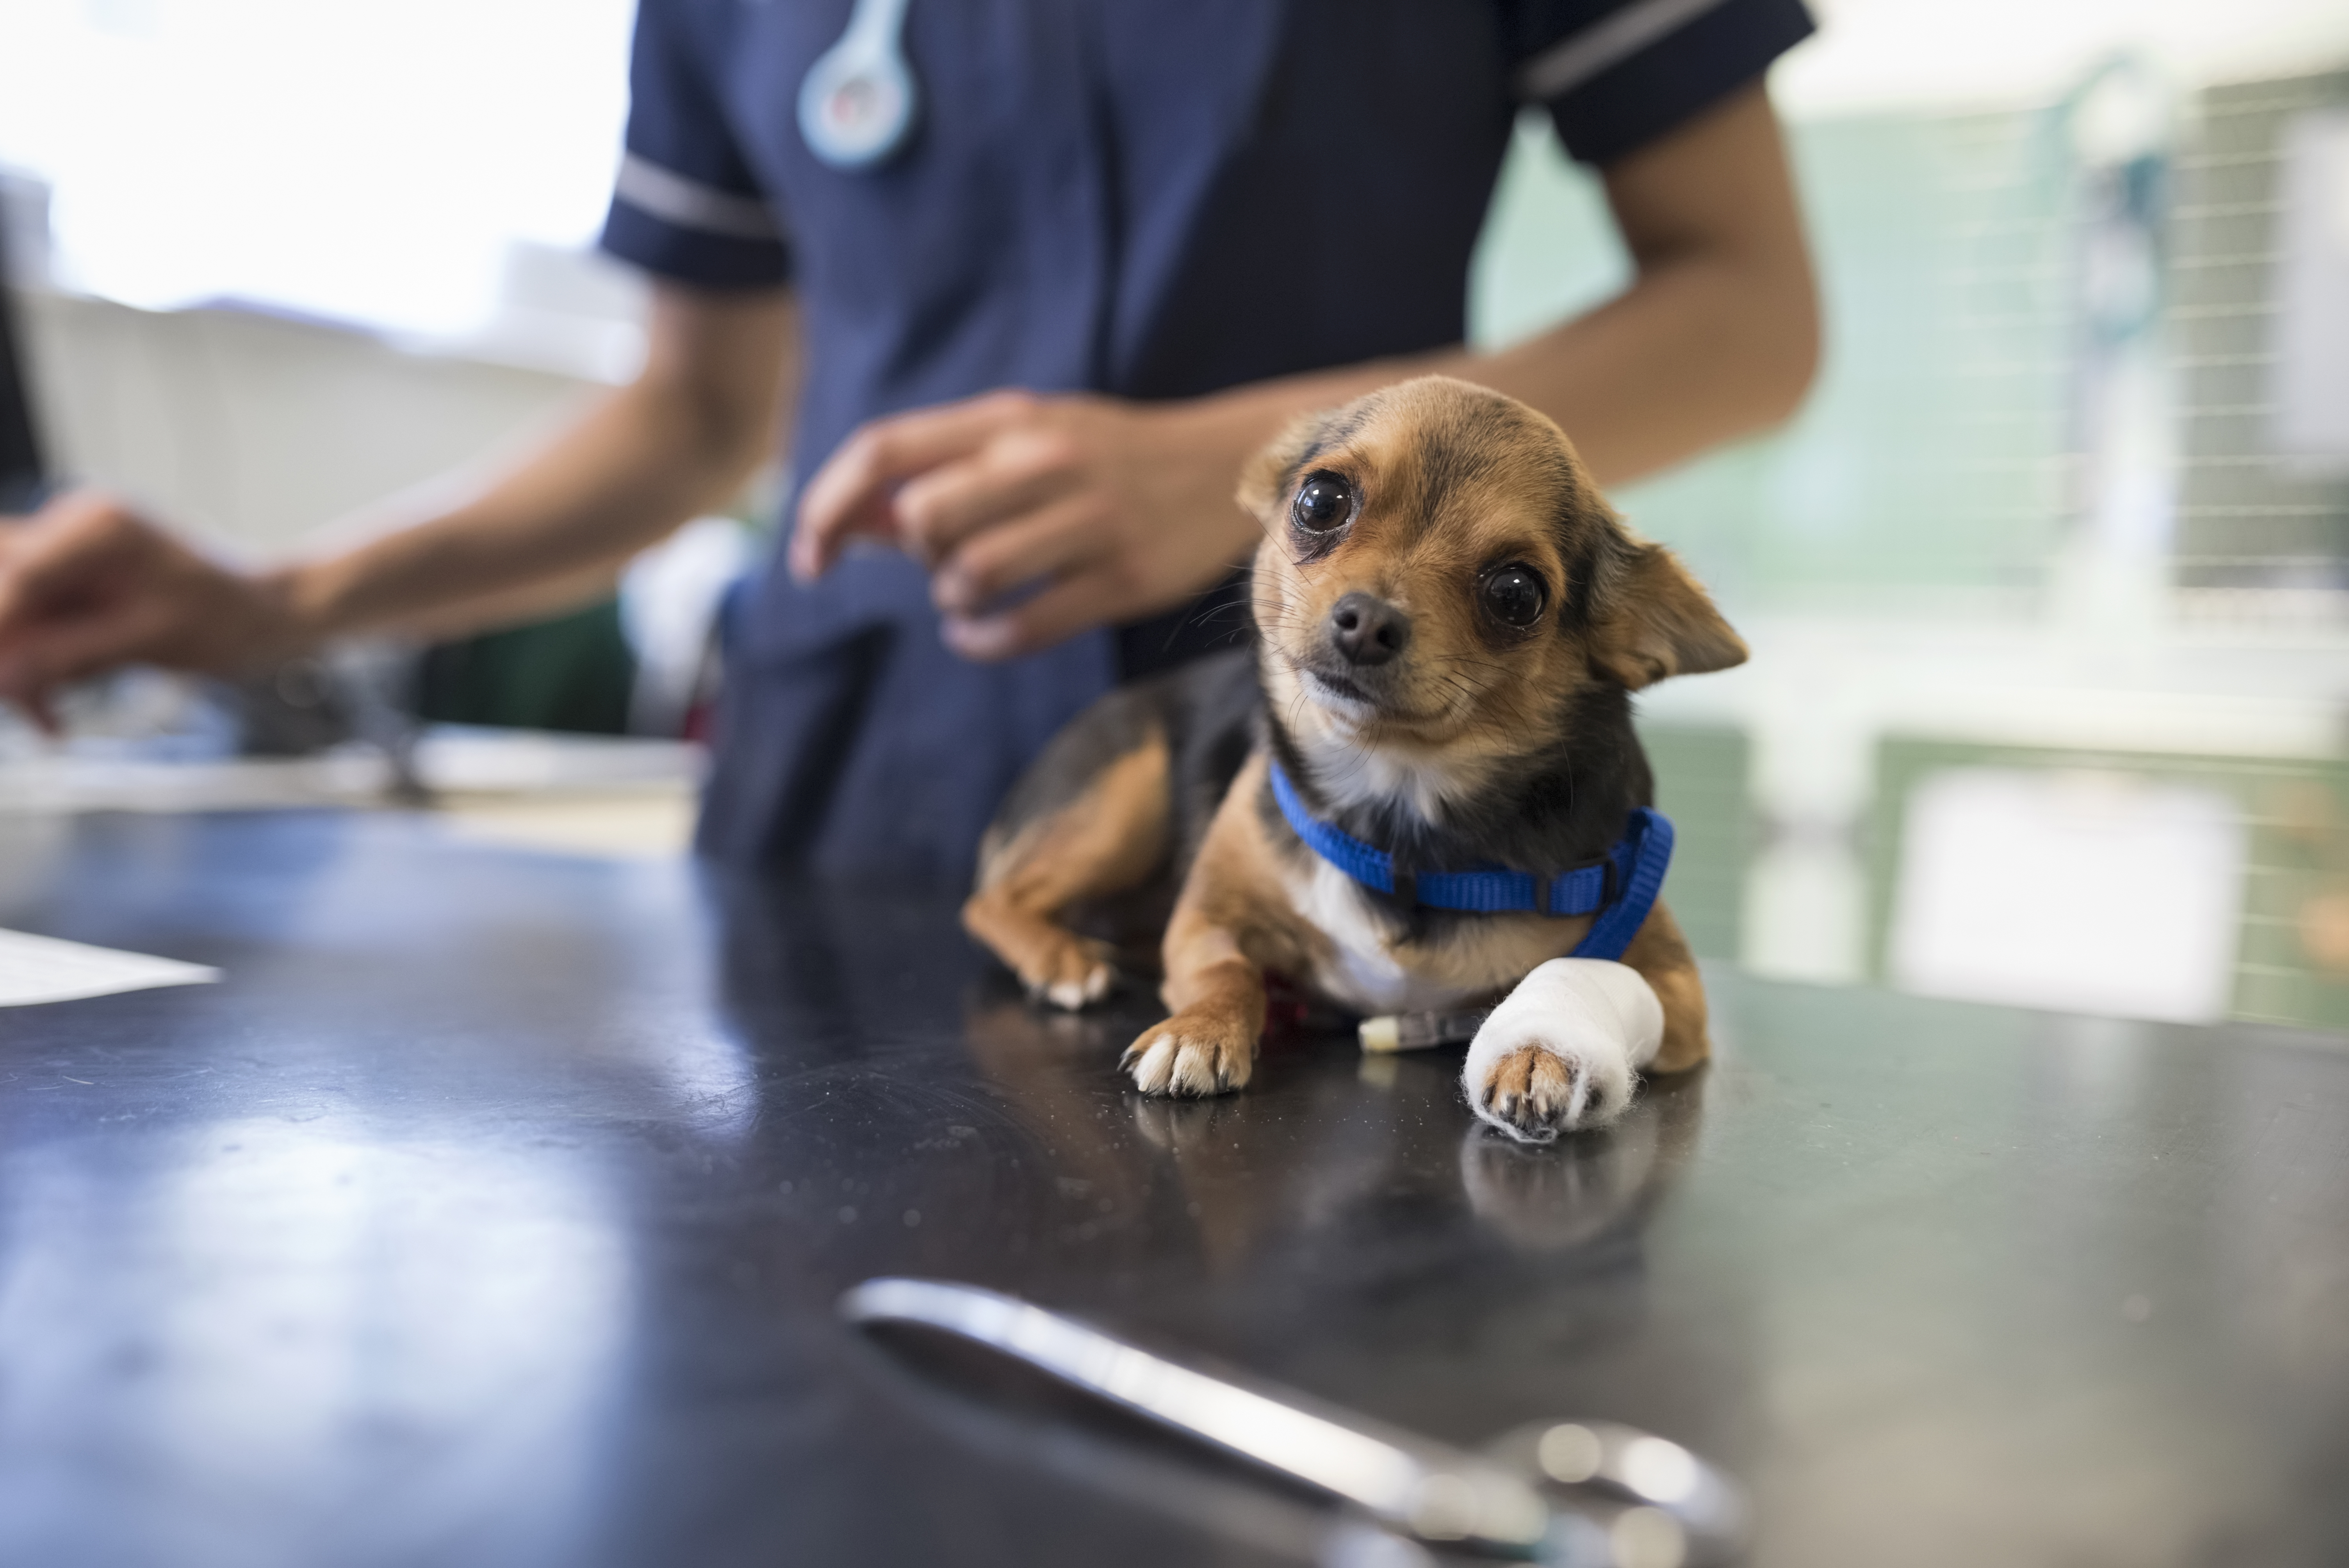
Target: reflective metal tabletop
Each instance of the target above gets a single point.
(492, 1209)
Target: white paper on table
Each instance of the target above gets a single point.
(46, 969)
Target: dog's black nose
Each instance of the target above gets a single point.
(1366, 630)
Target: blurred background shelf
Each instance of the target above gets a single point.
(619, 797)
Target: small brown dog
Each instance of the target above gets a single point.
(1423, 791)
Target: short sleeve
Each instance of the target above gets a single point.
(685, 205)
(1619, 74)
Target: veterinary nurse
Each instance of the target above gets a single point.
(1172, 225)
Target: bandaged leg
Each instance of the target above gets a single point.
(1561, 1051)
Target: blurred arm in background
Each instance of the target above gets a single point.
(87, 583)
(1123, 510)
(1120, 509)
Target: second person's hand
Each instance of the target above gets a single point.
(87, 584)
(1102, 511)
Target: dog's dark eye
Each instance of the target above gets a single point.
(1513, 596)
(1324, 502)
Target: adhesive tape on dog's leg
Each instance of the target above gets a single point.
(1625, 995)
(1568, 998)
(1380, 1034)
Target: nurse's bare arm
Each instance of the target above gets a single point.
(1123, 509)
(87, 583)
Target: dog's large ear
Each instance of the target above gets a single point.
(1264, 480)
(1649, 619)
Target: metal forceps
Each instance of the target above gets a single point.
(1579, 1494)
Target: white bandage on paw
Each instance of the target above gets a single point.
(1599, 1017)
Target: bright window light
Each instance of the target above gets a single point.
(2093, 893)
(1872, 56)
(364, 160)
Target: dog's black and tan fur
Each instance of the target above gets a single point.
(1450, 623)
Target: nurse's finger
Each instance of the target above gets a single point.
(59, 550)
(1052, 541)
(1018, 472)
(64, 652)
(1076, 602)
(851, 493)
(31, 677)
(36, 706)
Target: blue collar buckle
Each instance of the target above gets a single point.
(1619, 887)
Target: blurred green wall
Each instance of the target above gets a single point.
(1927, 458)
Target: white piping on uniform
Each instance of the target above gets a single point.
(689, 204)
(1572, 61)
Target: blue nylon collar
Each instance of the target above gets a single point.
(1620, 889)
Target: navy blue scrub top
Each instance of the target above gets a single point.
(1147, 197)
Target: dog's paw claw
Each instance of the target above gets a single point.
(1534, 1095)
(1190, 1055)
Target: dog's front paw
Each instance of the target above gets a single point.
(1073, 971)
(1533, 1093)
(1562, 1051)
(1191, 1053)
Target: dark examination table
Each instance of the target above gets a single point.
(491, 1212)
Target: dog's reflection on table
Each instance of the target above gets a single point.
(1359, 1199)
(1325, 1132)
(1543, 1198)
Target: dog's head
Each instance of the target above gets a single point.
(1441, 579)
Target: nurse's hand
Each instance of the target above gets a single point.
(1085, 510)
(87, 584)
